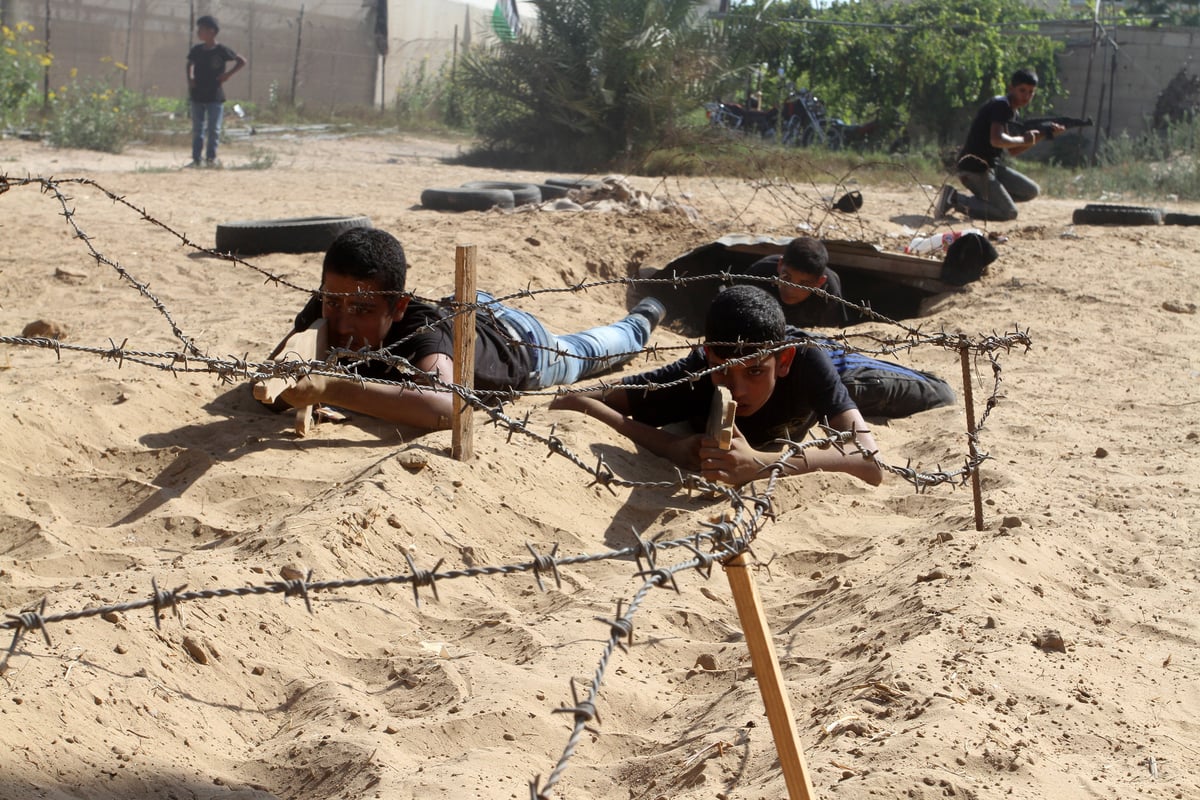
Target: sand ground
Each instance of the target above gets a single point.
(913, 646)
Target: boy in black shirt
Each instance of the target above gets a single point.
(996, 187)
(205, 75)
(779, 395)
(364, 306)
(804, 262)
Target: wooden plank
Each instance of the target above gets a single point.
(720, 417)
(870, 258)
(462, 441)
(307, 345)
(769, 677)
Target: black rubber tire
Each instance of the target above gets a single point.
(254, 237)
(1104, 214)
(522, 192)
(460, 199)
(1181, 219)
(572, 183)
(550, 192)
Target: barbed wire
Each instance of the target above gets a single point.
(733, 534)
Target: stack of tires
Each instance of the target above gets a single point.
(483, 195)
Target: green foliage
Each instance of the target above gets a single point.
(924, 66)
(1184, 13)
(96, 116)
(595, 80)
(22, 64)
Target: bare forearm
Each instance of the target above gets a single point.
(661, 443)
(420, 408)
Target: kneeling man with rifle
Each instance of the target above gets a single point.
(996, 187)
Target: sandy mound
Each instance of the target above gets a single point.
(1051, 654)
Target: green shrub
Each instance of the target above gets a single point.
(96, 116)
(22, 64)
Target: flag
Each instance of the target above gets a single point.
(506, 23)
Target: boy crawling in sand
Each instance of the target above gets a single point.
(365, 308)
(780, 395)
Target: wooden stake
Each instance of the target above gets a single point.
(720, 417)
(307, 345)
(972, 446)
(769, 676)
(462, 441)
(758, 635)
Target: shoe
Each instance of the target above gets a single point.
(212, 163)
(652, 309)
(193, 165)
(946, 199)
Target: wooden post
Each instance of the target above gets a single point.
(296, 60)
(307, 345)
(462, 442)
(769, 676)
(972, 448)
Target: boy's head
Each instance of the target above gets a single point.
(362, 278)
(209, 22)
(746, 314)
(1022, 86)
(803, 262)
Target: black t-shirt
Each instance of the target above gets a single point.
(810, 391)
(978, 150)
(426, 330)
(206, 66)
(815, 312)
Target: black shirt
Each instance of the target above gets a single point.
(810, 391)
(426, 330)
(978, 154)
(207, 65)
(815, 312)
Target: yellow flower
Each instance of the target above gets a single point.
(10, 51)
(119, 65)
(74, 72)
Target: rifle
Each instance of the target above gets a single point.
(1042, 124)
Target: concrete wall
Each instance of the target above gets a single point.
(323, 51)
(1128, 68)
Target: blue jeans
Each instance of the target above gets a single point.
(996, 193)
(213, 114)
(572, 357)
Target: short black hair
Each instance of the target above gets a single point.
(368, 254)
(1024, 77)
(743, 314)
(806, 254)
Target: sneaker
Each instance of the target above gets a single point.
(212, 163)
(652, 309)
(946, 199)
(192, 165)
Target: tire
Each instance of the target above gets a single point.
(572, 183)
(460, 199)
(254, 237)
(1104, 214)
(1181, 219)
(522, 192)
(552, 192)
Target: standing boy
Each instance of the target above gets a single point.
(206, 75)
(996, 187)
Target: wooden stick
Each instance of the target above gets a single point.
(462, 441)
(972, 439)
(720, 417)
(307, 345)
(769, 676)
